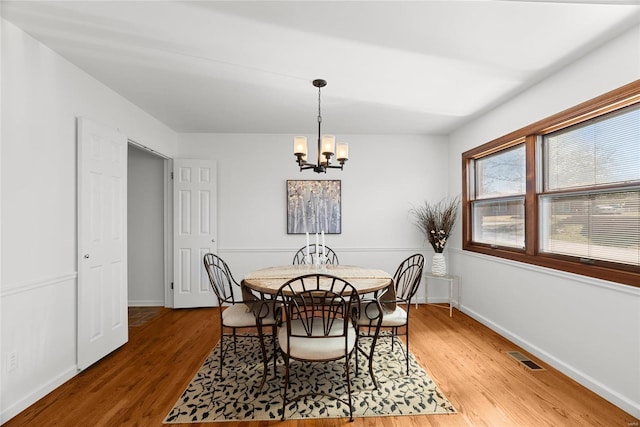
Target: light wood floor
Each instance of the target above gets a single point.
(138, 384)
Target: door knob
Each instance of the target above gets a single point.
(86, 256)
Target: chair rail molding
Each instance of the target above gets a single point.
(18, 288)
(337, 249)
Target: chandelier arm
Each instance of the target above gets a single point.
(304, 164)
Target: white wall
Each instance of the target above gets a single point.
(145, 228)
(386, 177)
(42, 94)
(587, 328)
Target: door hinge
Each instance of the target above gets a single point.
(171, 175)
(171, 285)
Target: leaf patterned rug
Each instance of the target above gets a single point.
(235, 396)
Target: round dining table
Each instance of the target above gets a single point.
(365, 280)
(268, 281)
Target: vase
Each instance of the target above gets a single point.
(438, 265)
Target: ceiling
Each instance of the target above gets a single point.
(392, 67)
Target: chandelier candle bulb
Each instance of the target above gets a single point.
(328, 145)
(342, 151)
(300, 146)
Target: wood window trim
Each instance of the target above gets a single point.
(619, 98)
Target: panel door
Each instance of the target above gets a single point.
(102, 241)
(194, 231)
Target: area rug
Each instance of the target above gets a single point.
(235, 395)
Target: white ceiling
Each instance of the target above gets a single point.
(393, 67)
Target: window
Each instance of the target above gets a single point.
(594, 214)
(562, 193)
(600, 226)
(498, 205)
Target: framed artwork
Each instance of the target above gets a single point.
(314, 206)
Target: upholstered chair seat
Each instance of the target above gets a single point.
(397, 317)
(318, 348)
(241, 316)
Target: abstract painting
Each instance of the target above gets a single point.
(314, 206)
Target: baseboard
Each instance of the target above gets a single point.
(434, 300)
(146, 303)
(37, 394)
(437, 300)
(597, 387)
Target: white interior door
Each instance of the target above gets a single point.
(102, 241)
(194, 231)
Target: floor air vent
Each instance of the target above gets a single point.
(525, 361)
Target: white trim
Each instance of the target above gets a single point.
(38, 394)
(146, 303)
(19, 288)
(337, 249)
(435, 300)
(612, 286)
(145, 148)
(597, 387)
(168, 233)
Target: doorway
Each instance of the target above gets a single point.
(146, 253)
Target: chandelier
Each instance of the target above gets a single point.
(326, 145)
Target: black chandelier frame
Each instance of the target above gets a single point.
(324, 158)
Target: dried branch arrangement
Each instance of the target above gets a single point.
(436, 221)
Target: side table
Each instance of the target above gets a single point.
(450, 278)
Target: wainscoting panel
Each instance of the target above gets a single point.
(38, 338)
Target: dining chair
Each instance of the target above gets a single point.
(246, 313)
(319, 314)
(389, 309)
(330, 255)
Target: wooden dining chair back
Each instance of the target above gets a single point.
(389, 310)
(244, 311)
(319, 326)
(300, 257)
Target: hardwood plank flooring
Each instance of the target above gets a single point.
(138, 384)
